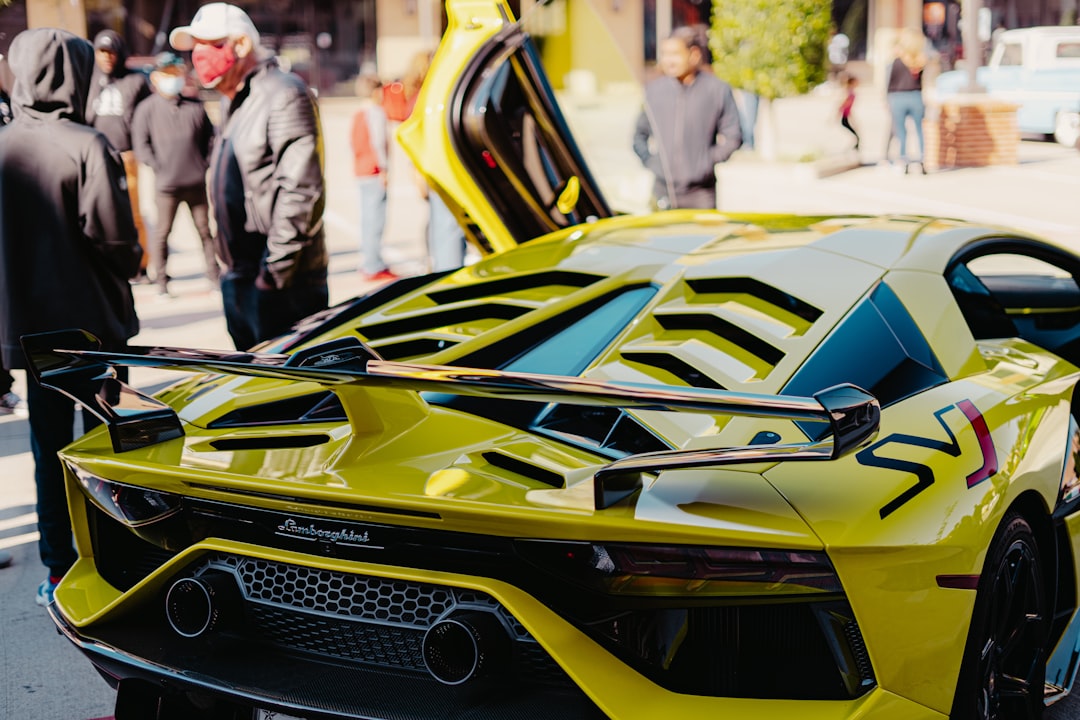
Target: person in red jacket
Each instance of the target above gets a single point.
(370, 146)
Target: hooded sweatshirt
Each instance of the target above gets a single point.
(113, 96)
(67, 239)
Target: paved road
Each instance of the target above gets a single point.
(46, 679)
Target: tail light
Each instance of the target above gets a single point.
(131, 505)
(678, 570)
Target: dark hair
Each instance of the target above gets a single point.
(691, 37)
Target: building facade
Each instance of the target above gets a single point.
(328, 41)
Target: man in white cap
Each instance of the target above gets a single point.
(266, 178)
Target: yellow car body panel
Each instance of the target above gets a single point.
(469, 24)
(903, 608)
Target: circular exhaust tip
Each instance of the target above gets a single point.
(196, 605)
(461, 647)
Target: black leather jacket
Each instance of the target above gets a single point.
(266, 181)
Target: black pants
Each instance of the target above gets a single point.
(699, 198)
(846, 122)
(52, 426)
(168, 202)
(253, 315)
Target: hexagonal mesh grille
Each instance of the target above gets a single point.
(354, 596)
(363, 642)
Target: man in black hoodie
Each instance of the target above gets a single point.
(68, 249)
(115, 91)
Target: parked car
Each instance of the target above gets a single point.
(1038, 69)
(691, 464)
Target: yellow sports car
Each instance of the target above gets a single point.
(683, 465)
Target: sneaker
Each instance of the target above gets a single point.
(46, 589)
(5, 559)
(141, 279)
(381, 276)
(11, 403)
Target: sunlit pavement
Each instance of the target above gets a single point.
(45, 678)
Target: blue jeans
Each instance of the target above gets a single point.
(748, 118)
(253, 315)
(903, 105)
(372, 197)
(446, 239)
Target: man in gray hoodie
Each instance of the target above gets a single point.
(68, 249)
(689, 124)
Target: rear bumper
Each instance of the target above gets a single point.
(233, 680)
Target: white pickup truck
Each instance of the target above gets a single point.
(1038, 69)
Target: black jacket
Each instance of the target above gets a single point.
(173, 136)
(67, 239)
(266, 181)
(114, 97)
(902, 78)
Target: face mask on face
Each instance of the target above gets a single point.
(170, 85)
(211, 63)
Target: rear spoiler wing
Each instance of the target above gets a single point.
(72, 362)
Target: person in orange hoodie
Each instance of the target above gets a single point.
(370, 146)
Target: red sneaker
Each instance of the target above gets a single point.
(381, 276)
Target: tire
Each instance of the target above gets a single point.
(1004, 668)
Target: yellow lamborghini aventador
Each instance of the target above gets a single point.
(682, 465)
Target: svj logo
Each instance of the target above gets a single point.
(924, 473)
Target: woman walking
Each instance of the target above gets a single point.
(904, 94)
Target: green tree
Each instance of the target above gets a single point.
(772, 48)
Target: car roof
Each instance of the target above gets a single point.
(738, 301)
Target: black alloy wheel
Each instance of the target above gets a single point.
(1004, 669)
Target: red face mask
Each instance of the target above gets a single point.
(211, 63)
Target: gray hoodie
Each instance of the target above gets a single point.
(67, 239)
(685, 130)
